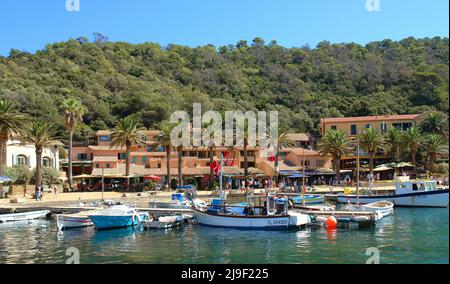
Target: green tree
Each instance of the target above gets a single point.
(393, 143)
(40, 134)
(127, 133)
(163, 140)
(435, 122)
(371, 140)
(338, 145)
(435, 145)
(73, 114)
(11, 122)
(412, 140)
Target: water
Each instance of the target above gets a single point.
(410, 236)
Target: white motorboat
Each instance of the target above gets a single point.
(24, 216)
(408, 193)
(75, 220)
(385, 207)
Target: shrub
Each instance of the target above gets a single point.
(22, 174)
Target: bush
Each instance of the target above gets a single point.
(22, 174)
(443, 168)
(49, 176)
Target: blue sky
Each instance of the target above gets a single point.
(31, 24)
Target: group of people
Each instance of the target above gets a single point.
(39, 192)
(440, 181)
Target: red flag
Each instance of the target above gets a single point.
(271, 158)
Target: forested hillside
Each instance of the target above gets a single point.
(116, 79)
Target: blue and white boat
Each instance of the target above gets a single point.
(118, 216)
(408, 193)
(267, 212)
(309, 199)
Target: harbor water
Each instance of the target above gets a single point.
(409, 236)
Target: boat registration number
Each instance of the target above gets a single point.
(277, 222)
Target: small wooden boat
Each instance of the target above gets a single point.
(118, 216)
(24, 216)
(76, 220)
(385, 207)
(309, 199)
(164, 222)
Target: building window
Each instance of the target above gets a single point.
(319, 163)
(46, 162)
(334, 127)
(108, 166)
(353, 130)
(384, 126)
(368, 126)
(105, 138)
(397, 125)
(159, 165)
(122, 156)
(144, 159)
(82, 157)
(161, 149)
(134, 159)
(22, 160)
(406, 126)
(97, 166)
(149, 149)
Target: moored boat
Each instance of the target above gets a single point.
(24, 216)
(385, 207)
(117, 217)
(164, 222)
(75, 220)
(408, 193)
(262, 213)
(309, 199)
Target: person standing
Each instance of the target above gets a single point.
(55, 190)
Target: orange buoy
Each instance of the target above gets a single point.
(331, 222)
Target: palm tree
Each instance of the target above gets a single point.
(393, 142)
(40, 134)
(336, 143)
(412, 140)
(163, 140)
(435, 122)
(371, 140)
(127, 133)
(11, 122)
(73, 113)
(211, 146)
(282, 141)
(434, 146)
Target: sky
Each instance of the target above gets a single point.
(29, 25)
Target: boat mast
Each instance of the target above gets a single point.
(357, 172)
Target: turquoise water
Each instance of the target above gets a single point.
(410, 236)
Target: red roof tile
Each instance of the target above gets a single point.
(370, 118)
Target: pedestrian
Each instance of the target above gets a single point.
(55, 190)
(446, 181)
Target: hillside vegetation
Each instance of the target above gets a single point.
(116, 79)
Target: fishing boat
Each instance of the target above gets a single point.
(408, 193)
(75, 220)
(309, 199)
(117, 216)
(182, 198)
(262, 212)
(24, 216)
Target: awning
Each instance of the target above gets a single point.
(299, 175)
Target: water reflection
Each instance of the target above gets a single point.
(410, 236)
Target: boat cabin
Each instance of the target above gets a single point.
(409, 186)
(255, 205)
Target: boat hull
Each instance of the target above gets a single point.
(309, 199)
(103, 222)
(75, 222)
(24, 216)
(252, 223)
(435, 198)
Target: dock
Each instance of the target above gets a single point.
(74, 209)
